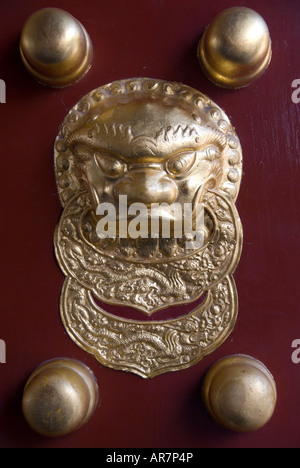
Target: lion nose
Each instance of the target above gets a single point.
(147, 186)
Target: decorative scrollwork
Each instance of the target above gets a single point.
(153, 143)
(149, 348)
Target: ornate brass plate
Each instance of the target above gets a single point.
(152, 144)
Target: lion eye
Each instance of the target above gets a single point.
(111, 166)
(181, 164)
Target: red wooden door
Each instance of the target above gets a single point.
(158, 39)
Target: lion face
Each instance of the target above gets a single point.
(150, 153)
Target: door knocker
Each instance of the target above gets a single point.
(135, 162)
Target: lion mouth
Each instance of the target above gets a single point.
(160, 245)
(155, 220)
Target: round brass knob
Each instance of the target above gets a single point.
(235, 48)
(55, 47)
(59, 397)
(240, 393)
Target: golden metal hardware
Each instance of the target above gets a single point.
(235, 48)
(153, 142)
(240, 393)
(55, 48)
(59, 397)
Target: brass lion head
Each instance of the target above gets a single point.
(153, 144)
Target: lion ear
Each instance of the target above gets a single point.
(215, 177)
(210, 184)
(217, 172)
